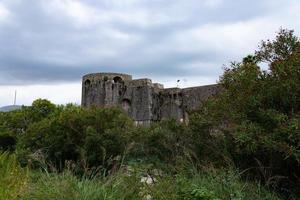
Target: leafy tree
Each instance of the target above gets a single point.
(285, 45)
(18, 121)
(258, 111)
(40, 109)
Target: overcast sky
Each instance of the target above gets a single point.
(46, 46)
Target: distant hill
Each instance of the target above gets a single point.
(10, 108)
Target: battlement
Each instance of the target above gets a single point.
(115, 77)
(158, 86)
(141, 82)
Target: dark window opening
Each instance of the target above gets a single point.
(126, 105)
(117, 79)
(87, 83)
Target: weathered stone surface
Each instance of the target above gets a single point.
(141, 99)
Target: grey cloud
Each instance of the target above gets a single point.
(38, 46)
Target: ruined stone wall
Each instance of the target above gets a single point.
(141, 99)
(172, 104)
(194, 96)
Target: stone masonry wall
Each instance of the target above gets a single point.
(141, 99)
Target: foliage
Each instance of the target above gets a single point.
(164, 141)
(66, 186)
(13, 178)
(212, 185)
(258, 112)
(94, 135)
(7, 140)
(282, 48)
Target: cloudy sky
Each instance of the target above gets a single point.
(47, 45)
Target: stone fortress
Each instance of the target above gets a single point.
(142, 100)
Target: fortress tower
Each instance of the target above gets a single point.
(141, 99)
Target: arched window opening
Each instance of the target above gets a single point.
(87, 83)
(117, 79)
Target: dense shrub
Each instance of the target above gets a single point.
(94, 135)
(165, 140)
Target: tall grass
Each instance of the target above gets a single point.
(213, 185)
(125, 184)
(13, 178)
(222, 184)
(66, 186)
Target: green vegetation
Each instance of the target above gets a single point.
(13, 178)
(261, 110)
(242, 144)
(210, 185)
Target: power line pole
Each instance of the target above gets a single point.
(15, 99)
(177, 85)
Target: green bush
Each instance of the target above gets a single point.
(165, 141)
(94, 135)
